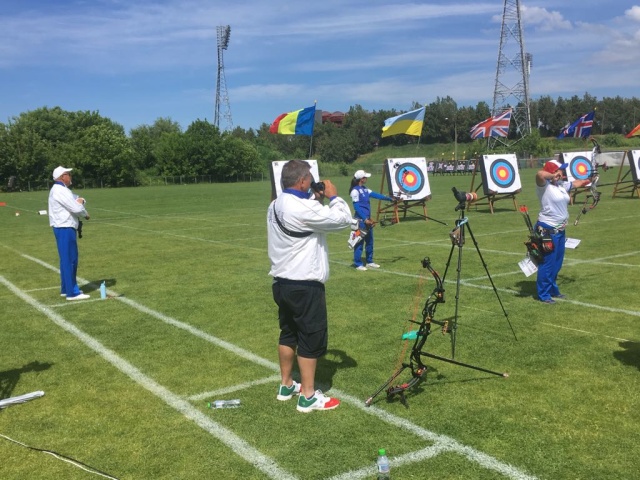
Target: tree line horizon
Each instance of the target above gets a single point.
(35, 142)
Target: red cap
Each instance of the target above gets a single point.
(552, 166)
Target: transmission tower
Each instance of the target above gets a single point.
(512, 73)
(222, 96)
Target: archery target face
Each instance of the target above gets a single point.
(634, 162)
(500, 173)
(578, 165)
(276, 175)
(408, 179)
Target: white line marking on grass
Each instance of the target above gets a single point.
(234, 388)
(188, 237)
(411, 457)
(634, 313)
(239, 446)
(42, 289)
(445, 442)
(585, 331)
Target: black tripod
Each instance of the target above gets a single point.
(457, 236)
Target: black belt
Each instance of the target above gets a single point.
(307, 283)
(550, 231)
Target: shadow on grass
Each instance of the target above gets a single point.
(94, 285)
(527, 288)
(630, 355)
(432, 380)
(10, 378)
(329, 364)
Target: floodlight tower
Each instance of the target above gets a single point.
(512, 73)
(222, 96)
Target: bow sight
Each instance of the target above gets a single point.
(595, 178)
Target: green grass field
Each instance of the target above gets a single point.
(191, 319)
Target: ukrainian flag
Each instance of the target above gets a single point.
(409, 123)
(299, 122)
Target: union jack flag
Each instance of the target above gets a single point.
(579, 128)
(497, 126)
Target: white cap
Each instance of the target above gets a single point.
(59, 171)
(361, 174)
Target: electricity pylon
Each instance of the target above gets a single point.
(512, 74)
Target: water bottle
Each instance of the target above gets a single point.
(224, 404)
(103, 290)
(384, 470)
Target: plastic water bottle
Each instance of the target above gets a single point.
(384, 469)
(224, 404)
(103, 290)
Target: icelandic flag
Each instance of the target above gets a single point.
(580, 128)
(497, 126)
(299, 122)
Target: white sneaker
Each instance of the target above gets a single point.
(319, 401)
(362, 268)
(285, 393)
(373, 265)
(82, 296)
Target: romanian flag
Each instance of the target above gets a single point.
(634, 133)
(299, 122)
(409, 123)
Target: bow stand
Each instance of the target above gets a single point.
(415, 364)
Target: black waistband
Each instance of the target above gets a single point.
(307, 283)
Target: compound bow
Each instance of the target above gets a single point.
(415, 363)
(594, 176)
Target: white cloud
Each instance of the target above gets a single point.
(633, 13)
(544, 19)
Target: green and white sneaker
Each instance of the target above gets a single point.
(319, 401)
(285, 393)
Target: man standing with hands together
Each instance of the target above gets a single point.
(65, 211)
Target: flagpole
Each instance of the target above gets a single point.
(315, 103)
(420, 136)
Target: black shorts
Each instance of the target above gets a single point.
(302, 311)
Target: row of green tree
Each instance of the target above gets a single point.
(33, 143)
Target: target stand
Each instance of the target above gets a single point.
(500, 180)
(633, 185)
(405, 179)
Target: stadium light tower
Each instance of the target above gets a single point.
(222, 96)
(512, 74)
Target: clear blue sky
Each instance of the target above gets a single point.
(137, 60)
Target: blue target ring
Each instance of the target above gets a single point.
(409, 178)
(580, 168)
(502, 173)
